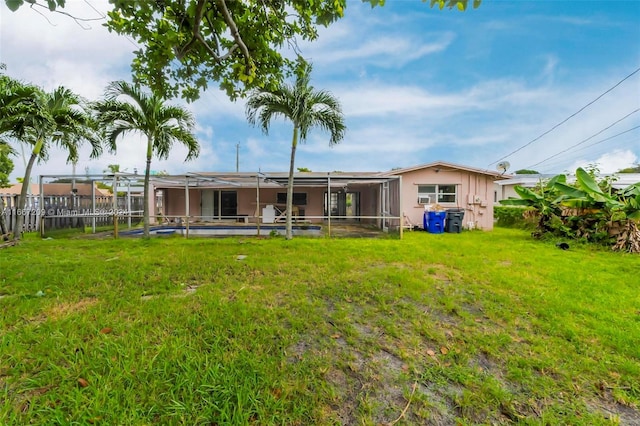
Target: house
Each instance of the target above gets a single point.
(63, 203)
(252, 197)
(376, 198)
(443, 185)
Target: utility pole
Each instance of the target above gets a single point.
(238, 157)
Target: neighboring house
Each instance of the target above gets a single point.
(443, 185)
(63, 203)
(55, 189)
(17, 187)
(366, 197)
(504, 189)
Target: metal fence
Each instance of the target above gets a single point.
(70, 211)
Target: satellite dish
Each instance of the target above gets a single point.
(503, 166)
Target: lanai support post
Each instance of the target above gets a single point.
(259, 216)
(93, 206)
(40, 213)
(329, 203)
(186, 207)
(400, 206)
(115, 206)
(129, 203)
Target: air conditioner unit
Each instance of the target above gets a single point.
(424, 200)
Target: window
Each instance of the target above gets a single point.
(299, 198)
(429, 194)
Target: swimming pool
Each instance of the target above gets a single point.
(218, 230)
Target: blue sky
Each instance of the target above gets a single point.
(416, 84)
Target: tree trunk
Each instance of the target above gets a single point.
(145, 207)
(294, 144)
(22, 201)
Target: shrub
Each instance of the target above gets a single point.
(511, 216)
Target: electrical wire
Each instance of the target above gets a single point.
(585, 140)
(619, 143)
(568, 118)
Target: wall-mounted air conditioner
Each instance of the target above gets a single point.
(424, 200)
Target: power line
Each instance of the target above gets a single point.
(587, 139)
(609, 138)
(552, 164)
(568, 118)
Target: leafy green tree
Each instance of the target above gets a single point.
(527, 172)
(6, 164)
(633, 169)
(6, 167)
(40, 119)
(112, 168)
(239, 44)
(306, 108)
(127, 108)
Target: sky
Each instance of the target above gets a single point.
(416, 85)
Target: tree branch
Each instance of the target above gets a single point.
(236, 35)
(77, 20)
(197, 36)
(196, 32)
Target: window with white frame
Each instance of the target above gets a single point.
(430, 194)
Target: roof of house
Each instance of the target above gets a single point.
(445, 165)
(66, 189)
(248, 179)
(16, 188)
(54, 189)
(267, 179)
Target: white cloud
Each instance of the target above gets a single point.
(610, 162)
(388, 51)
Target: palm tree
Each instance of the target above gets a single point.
(42, 119)
(162, 124)
(306, 108)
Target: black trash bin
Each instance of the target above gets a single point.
(454, 220)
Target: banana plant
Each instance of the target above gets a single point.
(630, 198)
(543, 200)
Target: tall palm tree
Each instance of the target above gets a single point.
(306, 108)
(42, 119)
(162, 125)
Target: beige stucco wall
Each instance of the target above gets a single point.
(175, 205)
(475, 194)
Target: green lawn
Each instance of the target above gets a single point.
(471, 328)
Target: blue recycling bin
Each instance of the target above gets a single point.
(434, 222)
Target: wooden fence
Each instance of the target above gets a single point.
(70, 211)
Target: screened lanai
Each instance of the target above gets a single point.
(260, 199)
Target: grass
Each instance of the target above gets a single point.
(467, 328)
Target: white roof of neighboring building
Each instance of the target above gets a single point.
(622, 179)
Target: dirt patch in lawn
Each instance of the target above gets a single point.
(64, 309)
